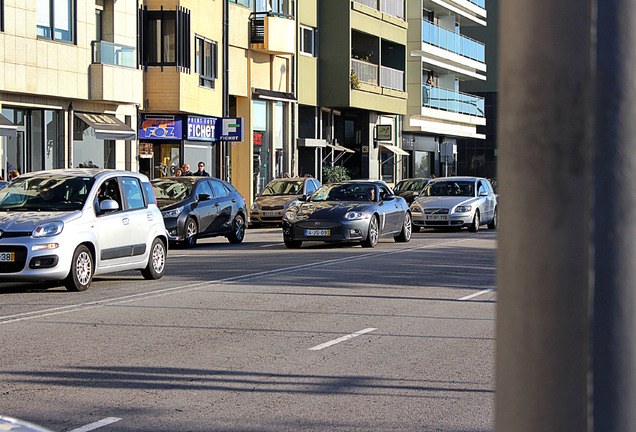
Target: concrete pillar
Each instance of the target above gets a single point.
(545, 142)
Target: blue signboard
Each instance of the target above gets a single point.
(161, 127)
(202, 128)
(230, 129)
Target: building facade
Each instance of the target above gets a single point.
(441, 58)
(70, 84)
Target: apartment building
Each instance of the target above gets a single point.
(362, 85)
(440, 59)
(261, 46)
(69, 84)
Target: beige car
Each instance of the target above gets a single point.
(270, 205)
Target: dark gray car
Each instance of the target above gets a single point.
(348, 211)
(411, 188)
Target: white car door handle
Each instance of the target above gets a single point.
(125, 221)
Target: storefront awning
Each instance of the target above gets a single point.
(273, 95)
(107, 126)
(395, 149)
(311, 142)
(340, 148)
(7, 128)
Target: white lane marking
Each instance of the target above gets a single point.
(202, 285)
(476, 294)
(270, 245)
(97, 424)
(341, 339)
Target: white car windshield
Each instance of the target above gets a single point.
(46, 193)
(450, 188)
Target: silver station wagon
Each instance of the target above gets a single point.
(69, 225)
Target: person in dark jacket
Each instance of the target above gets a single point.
(201, 172)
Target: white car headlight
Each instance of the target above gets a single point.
(172, 213)
(48, 229)
(416, 209)
(463, 209)
(354, 215)
(254, 207)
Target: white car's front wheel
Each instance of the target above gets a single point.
(156, 261)
(80, 275)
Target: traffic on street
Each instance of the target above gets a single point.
(256, 336)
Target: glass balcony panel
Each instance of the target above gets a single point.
(114, 54)
(452, 101)
(453, 42)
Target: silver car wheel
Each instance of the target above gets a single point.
(158, 258)
(372, 234)
(83, 268)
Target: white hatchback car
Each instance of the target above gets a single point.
(70, 225)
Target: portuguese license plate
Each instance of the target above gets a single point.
(317, 232)
(7, 256)
(436, 217)
(270, 213)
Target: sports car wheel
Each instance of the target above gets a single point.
(156, 261)
(293, 244)
(81, 274)
(191, 231)
(372, 234)
(238, 230)
(474, 227)
(407, 227)
(495, 221)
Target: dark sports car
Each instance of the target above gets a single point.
(197, 207)
(348, 211)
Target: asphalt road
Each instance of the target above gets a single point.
(258, 337)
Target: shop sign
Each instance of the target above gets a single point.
(161, 127)
(202, 128)
(384, 132)
(258, 139)
(230, 129)
(145, 150)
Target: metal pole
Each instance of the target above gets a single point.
(614, 311)
(543, 277)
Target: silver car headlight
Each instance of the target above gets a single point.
(290, 215)
(354, 215)
(254, 207)
(172, 213)
(48, 229)
(416, 209)
(463, 209)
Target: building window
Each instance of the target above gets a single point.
(206, 61)
(165, 38)
(247, 3)
(56, 19)
(307, 41)
(1, 15)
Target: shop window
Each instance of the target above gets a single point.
(165, 38)
(90, 151)
(206, 61)
(56, 19)
(307, 41)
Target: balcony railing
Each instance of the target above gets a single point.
(453, 101)
(392, 78)
(366, 72)
(480, 3)
(453, 42)
(113, 54)
(390, 7)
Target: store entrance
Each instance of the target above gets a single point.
(167, 158)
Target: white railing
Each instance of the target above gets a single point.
(371, 3)
(391, 78)
(393, 7)
(366, 72)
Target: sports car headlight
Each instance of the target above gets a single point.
(290, 215)
(48, 229)
(416, 209)
(463, 209)
(353, 215)
(172, 213)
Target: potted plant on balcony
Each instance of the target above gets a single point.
(355, 82)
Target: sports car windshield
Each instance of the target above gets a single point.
(173, 189)
(46, 193)
(284, 187)
(345, 192)
(450, 188)
(410, 185)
